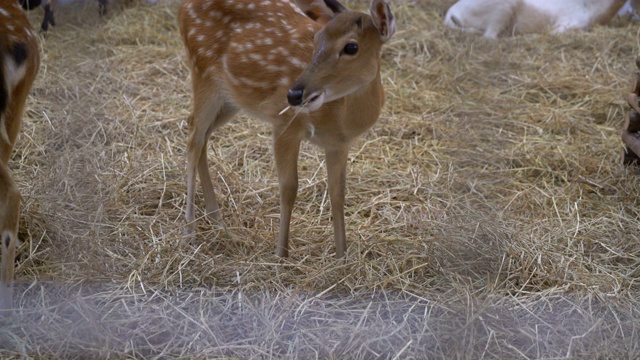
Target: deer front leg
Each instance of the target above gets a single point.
(337, 177)
(286, 150)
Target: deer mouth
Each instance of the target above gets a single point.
(314, 102)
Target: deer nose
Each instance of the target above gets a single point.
(294, 96)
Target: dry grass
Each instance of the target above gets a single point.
(488, 214)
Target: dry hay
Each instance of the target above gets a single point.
(488, 214)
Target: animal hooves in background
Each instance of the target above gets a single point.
(102, 7)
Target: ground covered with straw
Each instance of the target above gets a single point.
(488, 212)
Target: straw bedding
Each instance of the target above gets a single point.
(488, 212)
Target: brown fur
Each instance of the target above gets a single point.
(15, 32)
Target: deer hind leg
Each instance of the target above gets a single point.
(9, 216)
(209, 113)
(211, 203)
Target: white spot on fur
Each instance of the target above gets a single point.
(312, 130)
(280, 50)
(275, 68)
(296, 62)
(236, 46)
(225, 67)
(297, 9)
(253, 83)
(15, 73)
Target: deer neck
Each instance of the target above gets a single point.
(346, 118)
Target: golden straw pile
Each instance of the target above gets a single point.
(488, 212)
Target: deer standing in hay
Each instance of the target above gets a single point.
(494, 17)
(19, 62)
(310, 68)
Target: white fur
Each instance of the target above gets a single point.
(630, 9)
(494, 17)
(13, 74)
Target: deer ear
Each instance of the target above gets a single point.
(320, 11)
(383, 19)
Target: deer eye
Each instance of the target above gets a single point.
(351, 48)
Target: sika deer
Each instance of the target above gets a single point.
(19, 62)
(257, 55)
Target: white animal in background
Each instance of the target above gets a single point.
(494, 17)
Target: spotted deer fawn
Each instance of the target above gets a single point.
(19, 62)
(310, 68)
